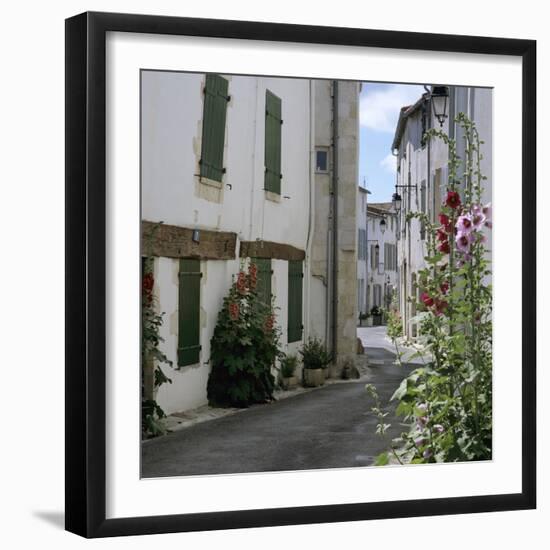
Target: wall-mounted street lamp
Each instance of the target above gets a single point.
(396, 201)
(440, 96)
(383, 225)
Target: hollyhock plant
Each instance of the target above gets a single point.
(454, 382)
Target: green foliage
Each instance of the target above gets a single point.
(448, 401)
(314, 354)
(152, 414)
(395, 323)
(244, 347)
(288, 365)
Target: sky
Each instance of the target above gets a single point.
(379, 110)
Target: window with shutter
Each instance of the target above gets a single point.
(295, 280)
(264, 279)
(213, 127)
(189, 312)
(273, 122)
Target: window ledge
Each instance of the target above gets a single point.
(211, 183)
(271, 196)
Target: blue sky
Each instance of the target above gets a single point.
(379, 111)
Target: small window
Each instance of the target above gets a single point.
(321, 161)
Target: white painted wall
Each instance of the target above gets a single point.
(172, 108)
(362, 200)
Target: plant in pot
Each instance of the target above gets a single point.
(315, 359)
(376, 313)
(289, 380)
(363, 316)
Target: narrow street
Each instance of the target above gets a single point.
(330, 427)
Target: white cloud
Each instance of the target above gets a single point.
(389, 163)
(380, 107)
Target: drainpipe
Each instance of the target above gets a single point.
(429, 154)
(334, 219)
(311, 212)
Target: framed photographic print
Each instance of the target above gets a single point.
(300, 273)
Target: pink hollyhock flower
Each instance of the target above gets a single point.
(452, 200)
(464, 224)
(438, 428)
(463, 242)
(478, 219)
(427, 453)
(419, 441)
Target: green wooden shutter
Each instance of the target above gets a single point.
(295, 281)
(273, 123)
(189, 312)
(213, 127)
(264, 279)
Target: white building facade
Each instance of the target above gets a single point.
(229, 168)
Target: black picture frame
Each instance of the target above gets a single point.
(86, 263)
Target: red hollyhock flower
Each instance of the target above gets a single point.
(241, 282)
(268, 325)
(444, 287)
(148, 282)
(444, 247)
(442, 235)
(440, 306)
(453, 199)
(444, 219)
(234, 311)
(427, 300)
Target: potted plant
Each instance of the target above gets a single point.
(315, 359)
(289, 380)
(376, 313)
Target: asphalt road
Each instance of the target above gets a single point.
(331, 427)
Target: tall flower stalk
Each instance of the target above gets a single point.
(448, 401)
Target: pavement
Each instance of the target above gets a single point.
(329, 427)
(376, 337)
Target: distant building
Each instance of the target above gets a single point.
(381, 235)
(422, 175)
